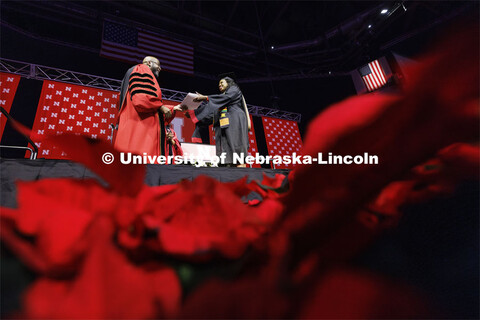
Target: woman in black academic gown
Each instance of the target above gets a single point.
(230, 119)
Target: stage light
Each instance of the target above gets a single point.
(272, 47)
(369, 26)
(384, 11)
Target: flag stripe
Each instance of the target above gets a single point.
(160, 38)
(377, 70)
(160, 43)
(134, 54)
(374, 84)
(126, 56)
(380, 71)
(165, 54)
(369, 83)
(163, 43)
(375, 76)
(375, 81)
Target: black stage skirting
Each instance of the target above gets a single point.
(29, 170)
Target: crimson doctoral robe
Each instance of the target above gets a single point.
(141, 128)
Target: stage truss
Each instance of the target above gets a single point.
(39, 72)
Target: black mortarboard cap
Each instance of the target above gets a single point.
(228, 74)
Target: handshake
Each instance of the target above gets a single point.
(180, 107)
(200, 97)
(166, 111)
(191, 101)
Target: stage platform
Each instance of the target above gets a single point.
(12, 170)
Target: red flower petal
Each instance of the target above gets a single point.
(124, 179)
(107, 286)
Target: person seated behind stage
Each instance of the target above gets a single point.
(142, 116)
(174, 145)
(230, 119)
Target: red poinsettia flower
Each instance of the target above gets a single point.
(107, 285)
(403, 130)
(71, 244)
(323, 227)
(97, 249)
(204, 216)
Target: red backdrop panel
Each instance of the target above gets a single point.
(8, 87)
(84, 110)
(75, 109)
(252, 150)
(282, 138)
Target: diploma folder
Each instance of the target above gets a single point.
(188, 101)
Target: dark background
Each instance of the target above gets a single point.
(316, 44)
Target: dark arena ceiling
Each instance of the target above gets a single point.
(272, 45)
(260, 40)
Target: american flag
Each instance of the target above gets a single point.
(373, 75)
(132, 44)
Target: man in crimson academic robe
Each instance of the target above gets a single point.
(142, 116)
